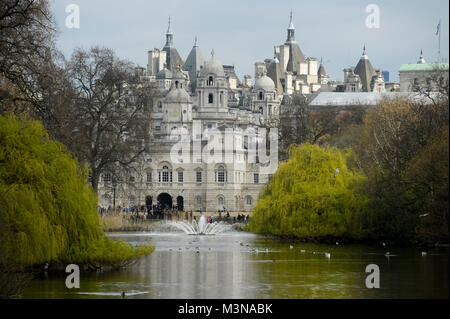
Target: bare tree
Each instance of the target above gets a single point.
(436, 85)
(26, 43)
(111, 113)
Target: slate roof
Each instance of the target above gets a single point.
(365, 71)
(295, 56)
(274, 72)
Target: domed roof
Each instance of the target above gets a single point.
(265, 83)
(178, 96)
(212, 66)
(164, 74)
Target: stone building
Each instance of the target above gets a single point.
(364, 77)
(422, 75)
(290, 70)
(195, 103)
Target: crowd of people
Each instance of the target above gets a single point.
(160, 212)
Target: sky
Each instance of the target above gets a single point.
(243, 32)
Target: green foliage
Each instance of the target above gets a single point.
(403, 150)
(306, 200)
(47, 210)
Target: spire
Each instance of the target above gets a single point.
(169, 31)
(291, 30)
(195, 42)
(364, 55)
(321, 72)
(212, 54)
(421, 59)
(169, 36)
(291, 23)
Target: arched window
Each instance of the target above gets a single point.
(210, 98)
(210, 81)
(220, 201)
(261, 110)
(261, 96)
(176, 84)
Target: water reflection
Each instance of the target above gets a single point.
(241, 265)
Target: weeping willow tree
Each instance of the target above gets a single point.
(47, 208)
(311, 196)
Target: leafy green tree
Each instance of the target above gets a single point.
(47, 208)
(312, 196)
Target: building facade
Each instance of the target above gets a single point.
(195, 105)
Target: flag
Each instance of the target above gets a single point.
(438, 28)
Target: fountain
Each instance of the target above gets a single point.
(202, 227)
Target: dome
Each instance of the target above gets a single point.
(178, 96)
(164, 74)
(265, 83)
(212, 66)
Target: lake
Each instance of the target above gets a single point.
(243, 265)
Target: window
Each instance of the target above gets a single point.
(220, 201)
(160, 105)
(198, 200)
(221, 174)
(210, 81)
(149, 177)
(132, 179)
(131, 201)
(198, 177)
(180, 177)
(165, 174)
(249, 200)
(256, 178)
(261, 96)
(107, 177)
(210, 98)
(261, 111)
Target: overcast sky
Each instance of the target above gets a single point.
(244, 32)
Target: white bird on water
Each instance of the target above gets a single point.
(291, 246)
(328, 255)
(424, 253)
(303, 251)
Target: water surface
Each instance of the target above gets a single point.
(243, 265)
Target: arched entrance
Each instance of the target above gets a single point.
(165, 200)
(180, 203)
